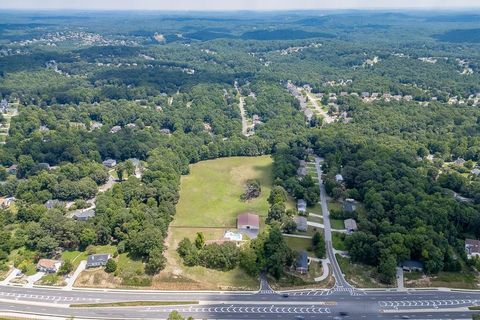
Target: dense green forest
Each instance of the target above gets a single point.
(159, 88)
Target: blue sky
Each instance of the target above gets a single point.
(234, 5)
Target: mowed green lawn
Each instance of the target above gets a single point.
(210, 194)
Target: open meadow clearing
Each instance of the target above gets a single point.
(210, 194)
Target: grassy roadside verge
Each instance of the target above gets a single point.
(131, 304)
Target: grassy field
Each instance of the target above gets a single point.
(338, 241)
(317, 209)
(359, 275)
(298, 244)
(337, 224)
(461, 280)
(334, 205)
(210, 194)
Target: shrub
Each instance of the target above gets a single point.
(111, 266)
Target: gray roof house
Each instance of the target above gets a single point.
(301, 223)
(338, 177)
(115, 129)
(110, 163)
(475, 171)
(350, 225)
(459, 162)
(349, 205)
(50, 204)
(472, 247)
(301, 206)
(301, 265)
(97, 260)
(83, 215)
(12, 169)
(44, 165)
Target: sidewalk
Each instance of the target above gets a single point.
(13, 273)
(71, 281)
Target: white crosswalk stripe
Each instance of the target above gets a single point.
(426, 303)
(42, 297)
(349, 290)
(231, 309)
(267, 291)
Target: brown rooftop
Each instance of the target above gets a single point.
(47, 263)
(248, 220)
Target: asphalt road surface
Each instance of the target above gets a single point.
(264, 304)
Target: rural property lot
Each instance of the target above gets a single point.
(209, 203)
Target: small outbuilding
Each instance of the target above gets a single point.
(339, 178)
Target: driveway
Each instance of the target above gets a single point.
(10, 276)
(400, 284)
(34, 278)
(325, 269)
(108, 185)
(71, 280)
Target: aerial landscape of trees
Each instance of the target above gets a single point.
(173, 103)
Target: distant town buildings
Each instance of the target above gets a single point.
(6, 202)
(83, 214)
(115, 129)
(110, 163)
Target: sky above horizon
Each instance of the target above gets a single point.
(206, 5)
